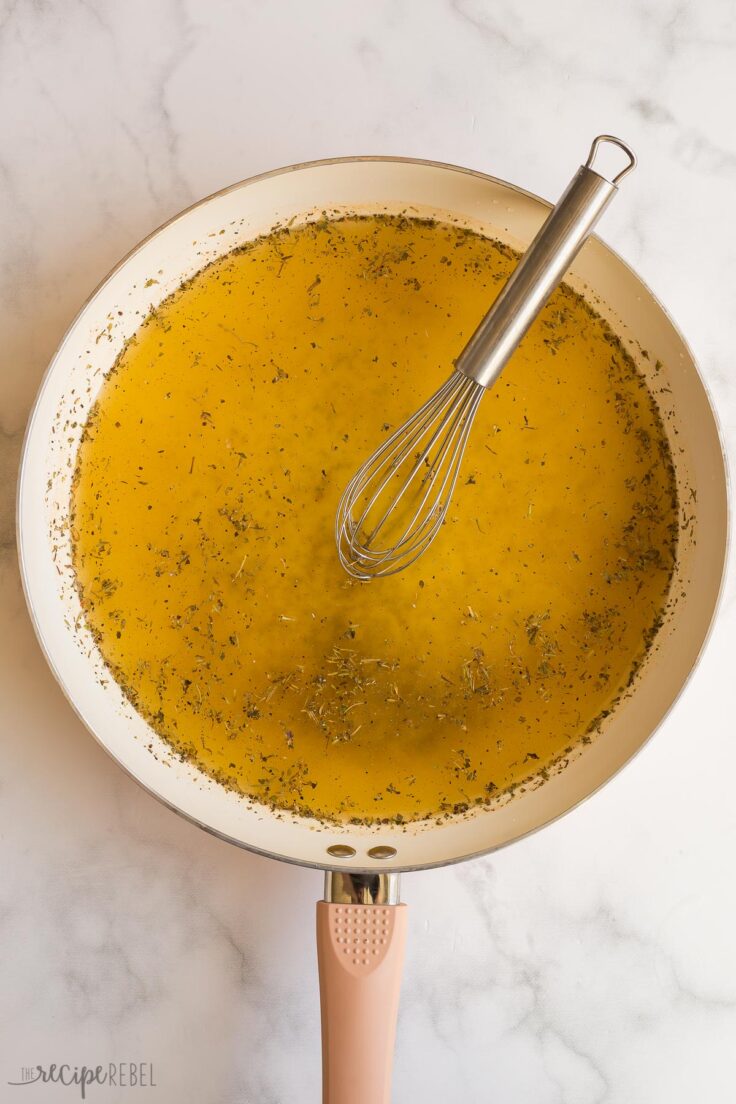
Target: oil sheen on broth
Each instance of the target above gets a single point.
(203, 510)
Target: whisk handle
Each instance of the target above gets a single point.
(542, 267)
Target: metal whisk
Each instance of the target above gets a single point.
(396, 503)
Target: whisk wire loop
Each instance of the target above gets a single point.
(379, 533)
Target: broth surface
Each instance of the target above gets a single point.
(203, 511)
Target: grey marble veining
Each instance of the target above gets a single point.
(592, 963)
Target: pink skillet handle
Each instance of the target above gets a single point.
(360, 950)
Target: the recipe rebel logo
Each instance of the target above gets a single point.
(115, 1075)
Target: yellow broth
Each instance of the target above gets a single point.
(203, 511)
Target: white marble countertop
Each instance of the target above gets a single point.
(593, 962)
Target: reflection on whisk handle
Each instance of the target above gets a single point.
(541, 269)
